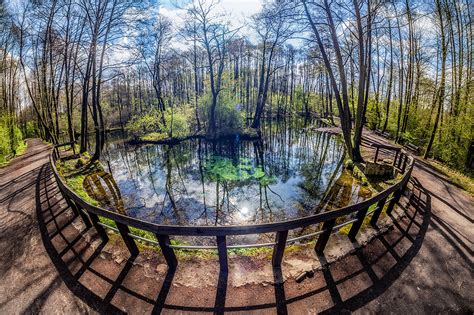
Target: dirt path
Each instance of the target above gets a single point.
(422, 265)
(29, 282)
(440, 276)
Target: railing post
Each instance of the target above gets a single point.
(324, 237)
(357, 224)
(377, 212)
(168, 252)
(279, 248)
(222, 250)
(129, 242)
(395, 159)
(396, 197)
(82, 214)
(400, 158)
(376, 155)
(99, 228)
(404, 165)
(70, 203)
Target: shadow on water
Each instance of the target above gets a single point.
(111, 288)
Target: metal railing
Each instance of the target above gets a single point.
(403, 163)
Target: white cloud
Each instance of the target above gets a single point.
(237, 12)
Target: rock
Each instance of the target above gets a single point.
(162, 269)
(378, 169)
(300, 277)
(119, 259)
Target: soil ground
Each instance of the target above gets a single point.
(52, 263)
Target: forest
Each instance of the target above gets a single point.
(72, 70)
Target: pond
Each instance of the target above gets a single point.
(289, 173)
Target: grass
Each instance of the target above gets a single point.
(19, 151)
(366, 223)
(464, 181)
(154, 136)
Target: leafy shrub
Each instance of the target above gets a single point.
(149, 126)
(407, 137)
(143, 124)
(228, 114)
(10, 144)
(177, 122)
(30, 130)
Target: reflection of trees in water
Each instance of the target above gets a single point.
(201, 177)
(284, 152)
(110, 197)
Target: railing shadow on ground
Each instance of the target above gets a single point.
(79, 265)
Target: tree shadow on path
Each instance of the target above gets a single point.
(108, 287)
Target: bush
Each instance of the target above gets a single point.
(177, 122)
(150, 125)
(143, 124)
(228, 114)
(30, 130)
(10, 145)
(407, 137)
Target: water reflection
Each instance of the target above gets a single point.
(287, 174)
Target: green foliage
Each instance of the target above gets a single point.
(145, 123)
(76, 185)
(349, 164)
(11, 139)
(373, 114)
(222, 169)
(229, 118)
(149, 126)
(31, 130)
(154, 136)
(178, 121)
(357, 173)
(454, 134)
(407, 137)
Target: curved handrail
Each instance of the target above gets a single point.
(281, 229)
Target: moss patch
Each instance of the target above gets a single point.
(366, 223)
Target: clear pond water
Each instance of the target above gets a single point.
(289, 173)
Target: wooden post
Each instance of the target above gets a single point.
(376, 155)
(404, 165)
(357, 224)
(395, 158)
(70, 203)
(99, 228)
(377, 212)
(279, 248)
(396, 197)
(129, 242)
(82, 214)
(222, 249)
(400, 158)
(168, 252)
(324, 237)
